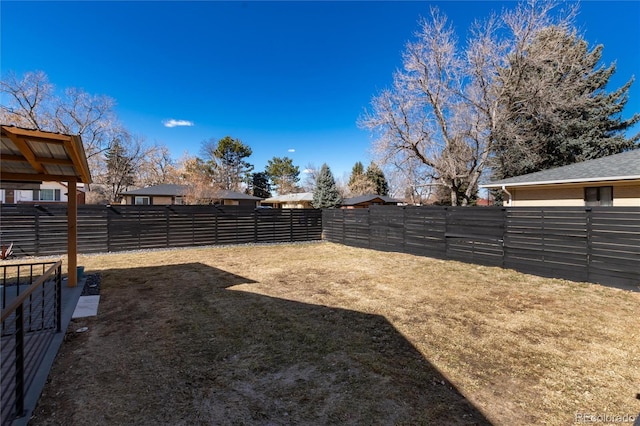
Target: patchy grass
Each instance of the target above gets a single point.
(327, 334)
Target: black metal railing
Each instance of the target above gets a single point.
(31, 316)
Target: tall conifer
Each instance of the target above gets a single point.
(326, 194)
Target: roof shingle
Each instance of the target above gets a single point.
(621, 166)
(174, 190)
(367, 198)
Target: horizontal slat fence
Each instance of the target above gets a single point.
(598, 244)
(40, 230)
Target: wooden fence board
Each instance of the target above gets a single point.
(586, 244)
(42, 230)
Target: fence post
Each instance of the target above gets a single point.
(139, 229)
(37, 231)
(446, 229)
(589, 219)
(504, 235)
(193, 227)
(215, 225)
(255, 225)
(167, 226)
(291, 225)
(404, 229)
(108, 211)
(369, 228)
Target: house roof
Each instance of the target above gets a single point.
(233, 195)
(174, 190)
(290, 198)
(35, 155)
(368, 198)
(166, 189)
(623, 166)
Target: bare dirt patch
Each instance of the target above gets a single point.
(328, 334)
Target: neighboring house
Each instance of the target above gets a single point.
(484, 202)
(364, 201)
(232, 198)
(166, 194)
(156, 195)
(46, 192)
(300, 200)
(608, 181)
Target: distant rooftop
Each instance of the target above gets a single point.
(166, 189)
(175, 190)
(291, 198)
(623, 166)
(369, 197)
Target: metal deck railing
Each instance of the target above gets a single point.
(31, 316)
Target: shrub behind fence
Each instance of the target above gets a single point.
(599, 244)
(37, 230)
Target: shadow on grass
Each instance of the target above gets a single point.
(176, 345)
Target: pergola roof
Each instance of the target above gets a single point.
(33, 155)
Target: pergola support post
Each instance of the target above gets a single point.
(72, 246)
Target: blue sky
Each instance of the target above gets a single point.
(287, 78)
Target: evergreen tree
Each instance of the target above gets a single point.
(357, 171)
(260, 186)
(283, 174)
(375, 175)
(227, 159)
(359, 182)
(326, 193)
(555, 108)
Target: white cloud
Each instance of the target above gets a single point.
(291, 150)
(176, 123)
(308, 171)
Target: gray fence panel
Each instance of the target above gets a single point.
(475, 235)
(425, 231)
(333, 225)
(600, 244)
(42, 229)
(93, 234)
(615, 245)
(547, 241)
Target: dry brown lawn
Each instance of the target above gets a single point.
(327, 334)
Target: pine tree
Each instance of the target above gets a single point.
(555, 107)
(226, 158)
(359, 183)
(326, 193)
(356, 171)
(375, 175)
(260, 186)
(283, 174)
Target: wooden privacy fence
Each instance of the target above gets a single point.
(599, 244)
(37, 230)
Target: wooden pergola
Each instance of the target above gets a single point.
(34, 156)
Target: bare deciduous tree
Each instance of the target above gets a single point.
(445, 105)
(27, 102)
(310, 173)
(31, 102)
(157, 167)
(198, 176)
